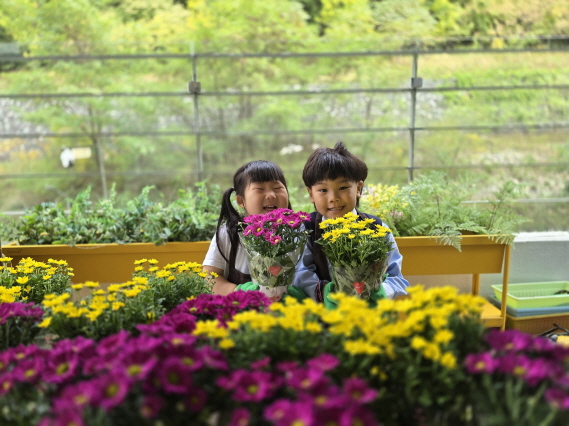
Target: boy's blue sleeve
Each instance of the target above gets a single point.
(395, 284)
(305, 275)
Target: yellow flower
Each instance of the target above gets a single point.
(432, 351)
(153, 269)
(6, 259)
(152, 261)
(361, 347)
(91, 284)
(226, 344)
(171, 278)
(448, 360)
(163, 274)
(117, 305)
(140, 262)
(45, 323)
(443, 336)
(46, 277)
(139, 268)
(211, 329)
(76, 286)
(22, 280)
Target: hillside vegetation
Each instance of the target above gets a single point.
(518, 134)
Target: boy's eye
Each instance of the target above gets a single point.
(323, 190)
(344, 187)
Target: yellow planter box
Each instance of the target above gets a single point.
(424, 256)
(108, 263)
(479, 255)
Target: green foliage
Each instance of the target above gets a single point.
(436, 205)
(192, 217)
(174, 283)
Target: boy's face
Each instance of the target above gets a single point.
(263, 197)
(335, 198)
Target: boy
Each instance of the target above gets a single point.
(334, 179)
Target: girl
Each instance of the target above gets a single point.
(260, 187)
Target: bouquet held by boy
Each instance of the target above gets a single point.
(274, 243)
(359, 253)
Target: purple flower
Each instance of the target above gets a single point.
(515, 365)
(5, 360)
(151, 406)
(213, 359)
(481, 363)
(83, 347)
(360, 416)
(60, 367)
(174, 376)
(240, 417)
(77, 395)
(358, 390)
(68, 418)
(113, 344)
(509, 340)
(253, 387)
(19, 309)
(29, 369)
(6, 383)
(324, 362)
(196, 399)
(557, 398)
(22, 352)
(112, 389)
(138, 365)
(260, 364)
(287, 413)
(305, 378)
(539, 370)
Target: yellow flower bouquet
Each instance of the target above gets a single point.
(358, 251)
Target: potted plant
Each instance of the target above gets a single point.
(439, 232)
(102, 240)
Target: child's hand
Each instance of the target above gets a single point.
(329, 289)
(249, 286)
(295, 292)
(331, 304)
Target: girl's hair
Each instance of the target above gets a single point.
(331, 164)
(257, 171)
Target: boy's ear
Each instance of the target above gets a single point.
(359, 188)
(309, 189)
(240, 201)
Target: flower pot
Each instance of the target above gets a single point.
(108, 263)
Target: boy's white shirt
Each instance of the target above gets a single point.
(215, 259)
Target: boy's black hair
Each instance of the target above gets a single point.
(331, 164)
(252, 172)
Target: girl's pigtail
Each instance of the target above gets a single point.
(231, 218)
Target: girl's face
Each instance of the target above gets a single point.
(263, 197)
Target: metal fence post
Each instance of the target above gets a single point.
(416, 83)
(194, 88)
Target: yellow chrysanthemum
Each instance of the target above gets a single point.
(45, 323)
(22, 280)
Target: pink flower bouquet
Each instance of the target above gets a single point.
(274, 243)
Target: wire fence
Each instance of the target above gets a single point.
(196, 93)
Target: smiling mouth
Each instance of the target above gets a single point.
(269, 207)
(335, 209)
